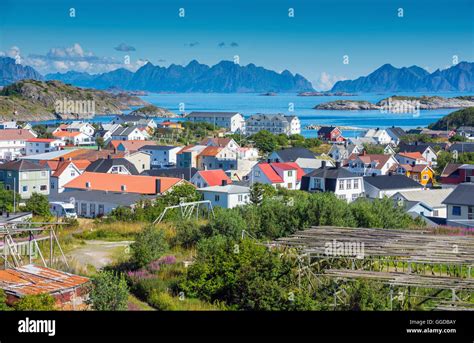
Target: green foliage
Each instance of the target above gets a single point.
(162, 301)
(6, 199)
(458, 138)
(464, 117)
(188, 233)
(227, 222)
(41, 131)
(38, 204)
(36, 302)
(259, 191)
(100, 142)
(3, 301)
(149, 245)
(445, 157)
(109, 292)
(374, 148)
(412, 138)
(181, 193)
(264, 141)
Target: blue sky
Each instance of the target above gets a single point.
(311, 43)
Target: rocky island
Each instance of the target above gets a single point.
(33, 100)
(396, 102)
(154, 111)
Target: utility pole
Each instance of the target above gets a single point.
(14, 195)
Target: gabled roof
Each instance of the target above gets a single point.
(103, 165)
(369, 158)
(396, 131)
(450, 168)
(21, 165)
(211, 151)
(228, 189)
(124, 131)
(214, 177)
(113, 183)
(292, 154)
(331, 173)
(462, 147)
(60, 134)
(387, 182)
(13, 134)
(412, 155)
(120, 199)
(183, 173)
(431, 197)
(326, 130)
(269, 169)
(62, 166)
(461, 195)
(131, 145)
(41, 140)
(417, 168)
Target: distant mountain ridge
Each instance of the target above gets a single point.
(11, 72)
(388, 78)
(224, 77)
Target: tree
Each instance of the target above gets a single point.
(265, 141)
(38, 204)
(36, 302)
(149, 245)
(109, 292)
(6, 200)
(259, 191)
(181, 193)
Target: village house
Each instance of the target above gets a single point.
(140, 159)
(456, 173)
(161, 155)
(432, 199)
(41, 145)
(228, 196)
(290, 154)
(421, 173)
(466, 132)
(379, 135)
(25, 178)
(361, 141)
(129, 133)
(221, 142)
(78, 126)
(344, 184)
(426, 150)
(64, 172)
(460, 206)
(274, 123)
(213, 157)
(187, 156)
(330, 134)
(74, 138)
(388, 150)
(372, 164)
(278, 174)
(459, 147)
(341, 152)
(134, 120)
(209, 178)
(411, 158)
(231, 121)
(13, 143)
(247, 153)
(122, 183)
(112, 166)
(380, 186)
(396, 134)
(129, 146)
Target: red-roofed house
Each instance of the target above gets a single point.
(455, 173)
(65, 172)
(208, 178)
(412, 158)
(42, 145)
(287, 175)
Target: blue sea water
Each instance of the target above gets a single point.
(302, 106)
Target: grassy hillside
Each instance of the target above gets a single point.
(464, 117)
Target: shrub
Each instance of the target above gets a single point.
(149, 245)
(37, 302)
(162, 301)
(109, 292)
(188, 233)
(38, 204)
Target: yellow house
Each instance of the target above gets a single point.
(421, 173)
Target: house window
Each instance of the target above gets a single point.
(43, 188)
(348, 184)
(290, 185)
(356, 184)
(84, 209)
(240, 197)
(435, 213)
(216, 198)
(290, 173)
(25, 189)
(342, 196)
(92, 210)
(341, 184)
(456, 210)
(354, 196)
(257, 173)
(101, 210)
(470, 212)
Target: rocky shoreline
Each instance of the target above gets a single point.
(400, 104)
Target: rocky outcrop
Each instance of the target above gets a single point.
(154, 111)
(39, 100)
(347, 105)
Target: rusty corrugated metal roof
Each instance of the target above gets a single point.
(32, 279)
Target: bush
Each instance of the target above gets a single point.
(162, 301)
(188, 233)
(37, 302)
(38, 204)
(149, 245)
(109, 292)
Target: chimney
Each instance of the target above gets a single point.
(157, 186)
(323, 164)
(123, 188)
(61, 159)
(338, 164)
(88, 185)
(109, 156)
(224, 182)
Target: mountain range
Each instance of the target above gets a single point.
(228, 77)
(224, 77)
(388, 78)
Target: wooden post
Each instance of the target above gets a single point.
(50, 246)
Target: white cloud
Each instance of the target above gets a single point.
(326, 81)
